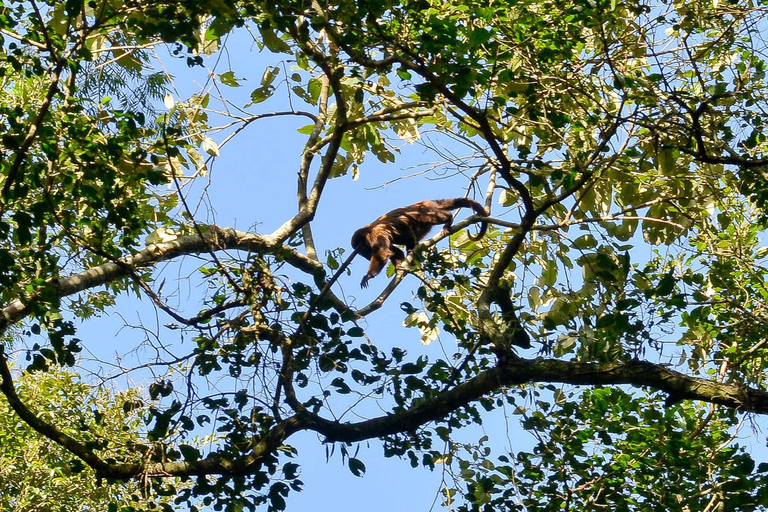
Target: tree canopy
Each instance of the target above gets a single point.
(38, 475)
(617, 305)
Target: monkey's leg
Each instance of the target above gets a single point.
(397, 256)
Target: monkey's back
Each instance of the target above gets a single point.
(409, 224)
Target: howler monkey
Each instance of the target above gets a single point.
(406, 226)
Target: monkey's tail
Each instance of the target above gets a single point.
(465, 202)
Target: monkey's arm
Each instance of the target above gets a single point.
(446, 230)
(378, 260)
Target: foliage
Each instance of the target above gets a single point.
(609, 449)
(621, 149)
(38, 474)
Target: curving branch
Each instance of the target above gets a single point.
(214, 464)
(514, 372)
(522, 371)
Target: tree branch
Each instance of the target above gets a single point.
(213, 239)
(521, 371)
(213, 464)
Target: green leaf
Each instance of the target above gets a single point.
(190, 453)
(356, 466)
(272, 42)
(306, 130)
(356, 332)
(229, 79)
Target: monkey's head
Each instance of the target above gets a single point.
(360, 242)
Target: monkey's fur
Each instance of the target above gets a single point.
(406, 226)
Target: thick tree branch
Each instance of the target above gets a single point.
(310, 199)
(214, 464)
(214, 238)
(521, 371)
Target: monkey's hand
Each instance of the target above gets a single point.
(364, 282)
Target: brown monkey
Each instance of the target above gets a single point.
(406, 226)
